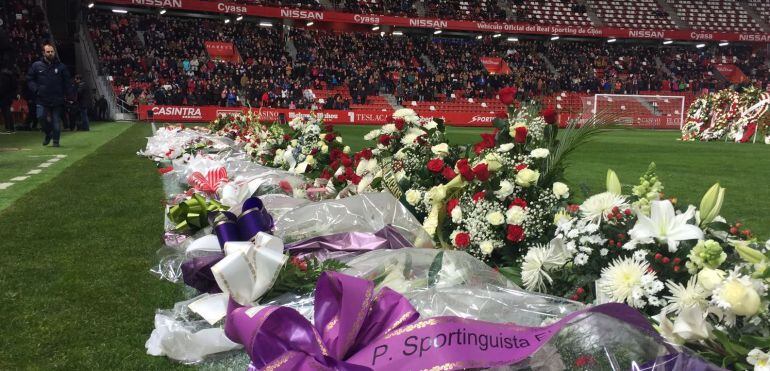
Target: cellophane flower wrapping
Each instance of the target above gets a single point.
(454, 283)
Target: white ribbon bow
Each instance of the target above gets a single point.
(247, 272)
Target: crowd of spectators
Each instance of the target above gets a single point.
(392, 7)
(301, 4)
(164, 60)
(488, 10)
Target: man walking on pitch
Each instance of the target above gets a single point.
(49, 80)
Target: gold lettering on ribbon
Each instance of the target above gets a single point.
(389, 178)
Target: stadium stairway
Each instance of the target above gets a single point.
(672, 14)
(392, 101)
(326, 4)
(431, 67)
(591, 13)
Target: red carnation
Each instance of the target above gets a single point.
(462, 240)
(287, 137)
(518, 202)
(451, 204)
(507, 95)
(487, 141)
(520, 134)
(521, 167)
(366, 153)
(328, 128)
(400, 123)
(325, 174)
(355, 179)
(465, 169)
(479, 196)
(335, 154)
(482, 172)
(515, 233)
(549, 114)
(329, 137)
(346, 161)
(448, 173)
(314, 151)
(384, 140)
(436, 165)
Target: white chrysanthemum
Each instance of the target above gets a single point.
(410, 136)
(538, 261)
(404, 112)
(682, 297)
(581, 259)
(372, 135)
(540, 153)
(604, 252)
(598, 206)
(388, 128)
(430, 125)
(625, 281)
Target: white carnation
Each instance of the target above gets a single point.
(495, 218)
(560, 190)
(413, 197)
(515, 215)
(457, 215)
(506, 189)
(486, 247)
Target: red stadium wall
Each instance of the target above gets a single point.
(358, 117)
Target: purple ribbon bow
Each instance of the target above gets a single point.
(339, 245)
(356, 329)
(348, 316)
(254, 219)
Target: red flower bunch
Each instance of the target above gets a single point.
(487, 141)
(451, 204)
(465, 169)
(515, 233)
(462, 240)
(507, 95)
(400, 123)
(482, 172)
(549, 114)
(436, 165)
(384, 140)
(520, 134)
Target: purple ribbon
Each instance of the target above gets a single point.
(356, 329)
(337, 245)
(254, 219)
(196, 273)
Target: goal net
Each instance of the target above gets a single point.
(647, 111)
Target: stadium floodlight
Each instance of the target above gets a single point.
(513, 39)
(120, 11)
(397, 33)
(90, 5)
(227, 20)
(668, 42)
(239, 18)
(700, 46)
(479, 37)
(436, 32)
(382, 33)
(375, 28)
(265, 24)
(162, 11)
(612, 40)
(554, 38)
(497, 35)
(724, 43)
(309, 23)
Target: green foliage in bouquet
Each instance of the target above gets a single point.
(300, 276)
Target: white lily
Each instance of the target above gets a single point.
(691, 325)
(664, 225)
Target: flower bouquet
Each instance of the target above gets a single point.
(702, 279)
(411, 156)
(426, 309)
(506, 197)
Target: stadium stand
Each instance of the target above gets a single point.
(150, 58)
(639, 14)
(400, 7)
(762, 7)
(565, 12)
(715, 15)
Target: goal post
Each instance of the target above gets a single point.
(645, 111)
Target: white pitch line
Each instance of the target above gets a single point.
(45, 164)
(55, 159)
(5, 185)
(61, 156)
(19, 178)
(35, 171)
